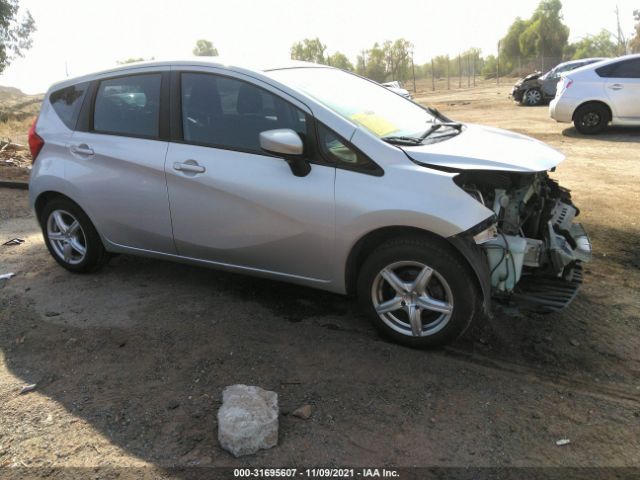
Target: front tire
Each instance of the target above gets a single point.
(591, 118)
(532, 97)
(417, 292)
(70, 237)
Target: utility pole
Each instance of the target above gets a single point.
(498, 64)
(473, 69)
(448, 73)
(413, 69)
(433, 77)
(459, 71)
(620, 37)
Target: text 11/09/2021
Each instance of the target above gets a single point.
(315, 473)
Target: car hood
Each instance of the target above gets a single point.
(485, 148)
(531, 76)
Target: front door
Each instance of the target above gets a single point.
(235, 205)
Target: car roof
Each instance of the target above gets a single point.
(220, 62)
(582, 60)
(607, 61)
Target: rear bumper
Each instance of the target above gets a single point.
(561, 110)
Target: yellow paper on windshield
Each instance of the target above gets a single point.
(377, 124)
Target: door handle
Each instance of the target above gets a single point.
(616, 86)
(82, 149)
(189, 166)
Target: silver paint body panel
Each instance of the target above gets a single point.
(247, 212)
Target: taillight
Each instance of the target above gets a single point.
(35, 141)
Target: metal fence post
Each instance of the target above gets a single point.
(433, 77)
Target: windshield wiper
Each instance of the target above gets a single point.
(399, 140)
(437, 126)
(403, 140)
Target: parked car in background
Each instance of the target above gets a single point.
(396, 87)
(307, 174)
(595, 95)
(536, 89)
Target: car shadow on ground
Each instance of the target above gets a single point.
(611, 134)
(151, 382)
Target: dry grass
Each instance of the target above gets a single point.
(15, 130)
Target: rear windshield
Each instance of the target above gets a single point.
(67, 102)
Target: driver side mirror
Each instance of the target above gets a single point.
(286, 143)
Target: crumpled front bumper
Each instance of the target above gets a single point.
(517, 92)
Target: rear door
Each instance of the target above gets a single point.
(118, 159)
(622, 86)
(232, 203)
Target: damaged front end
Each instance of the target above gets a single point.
(534, 249)
(524, 84)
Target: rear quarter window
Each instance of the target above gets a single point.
(624, 69)
(67, 102)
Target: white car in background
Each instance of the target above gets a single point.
(598, 94)
(396, 87)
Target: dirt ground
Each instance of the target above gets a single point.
(130, 362)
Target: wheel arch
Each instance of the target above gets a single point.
(48, 195)
(456, 244)
(593, 102)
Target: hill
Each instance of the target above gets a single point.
(17, 110)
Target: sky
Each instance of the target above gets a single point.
(75, 37)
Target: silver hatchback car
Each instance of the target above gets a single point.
(311, 175)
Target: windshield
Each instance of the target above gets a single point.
(365, 103)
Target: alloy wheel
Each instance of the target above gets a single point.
(412, 298)
(533, 97)
(591, 119)
(66, 237)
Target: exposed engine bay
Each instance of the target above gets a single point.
(533, 237)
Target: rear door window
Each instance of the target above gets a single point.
(228, 113)
(128, 106)
(67, 102)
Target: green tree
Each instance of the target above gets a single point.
(309, 50)
(490, 67)
(15, 33)
(376, 64)
(510, 44)
(398, 58)
(340, 60)
(542, 35)
(634, 44)
(599, 45)
(546, 35)
(204, 48)
(440, 66)
(392, 61)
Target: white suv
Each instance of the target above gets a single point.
(600, 93)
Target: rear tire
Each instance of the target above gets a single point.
(70, 237)
(417, 292)
(591, 118)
